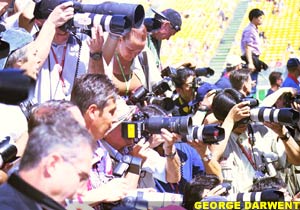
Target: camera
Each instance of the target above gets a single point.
(288, 99)
(8, 152)
(142, 94)
(128, 15)
(162, 86)
(206, 72)
(197, 82)
(253, 102)
(265, 195)
(140, 199)
(128, 163)
(116, 24)
(209, 134)
(142, 125)
(285, 116)
(168, 72)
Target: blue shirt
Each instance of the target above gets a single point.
(290, 82)
(191, 165)
(223, 82)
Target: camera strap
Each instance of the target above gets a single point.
(249, 154)
(145, 65)
(26, 189)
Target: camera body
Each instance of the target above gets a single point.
(8, 152)
(205, 72)
(162, 86)
(141, 95)
(128, 163)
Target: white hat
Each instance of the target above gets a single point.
(123, 112)
(233, 60)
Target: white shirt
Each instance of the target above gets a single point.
(49, 85)
(237, 169)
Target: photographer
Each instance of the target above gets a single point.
(203, 188)
(184, 81)
(164, 168)
(68, 56)
(241, 81)
(96, 96)
(293, 67)
(189, 161)
(233, 63)
(170, 24)
(249, 153)
(132, 66)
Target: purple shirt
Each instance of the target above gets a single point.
(102, 171)
(251, 38)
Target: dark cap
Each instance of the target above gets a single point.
(292, 62)
(170, 15)
(43, 8)
(201, 92)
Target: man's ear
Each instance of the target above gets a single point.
(92, 111)
(51, 163)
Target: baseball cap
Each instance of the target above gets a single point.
(123, 112)
(201, 92)
(293, 62)
(233, 60)
(170, 15)
(10, 40)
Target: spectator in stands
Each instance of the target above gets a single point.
(293, 67)
(233, 62)
(275, 79)
(241, 81)
(250, 45)
(53, 150)
(170, 25)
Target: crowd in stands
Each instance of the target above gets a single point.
(102, 125)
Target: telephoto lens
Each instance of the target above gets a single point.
(286, 116)
(209, 134)
(181, 125)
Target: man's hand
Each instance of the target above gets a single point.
(96, 41)
(251, 67)
(114, 190)
(240, 111)
(141, 149)
(61, 14)
(169, 140)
